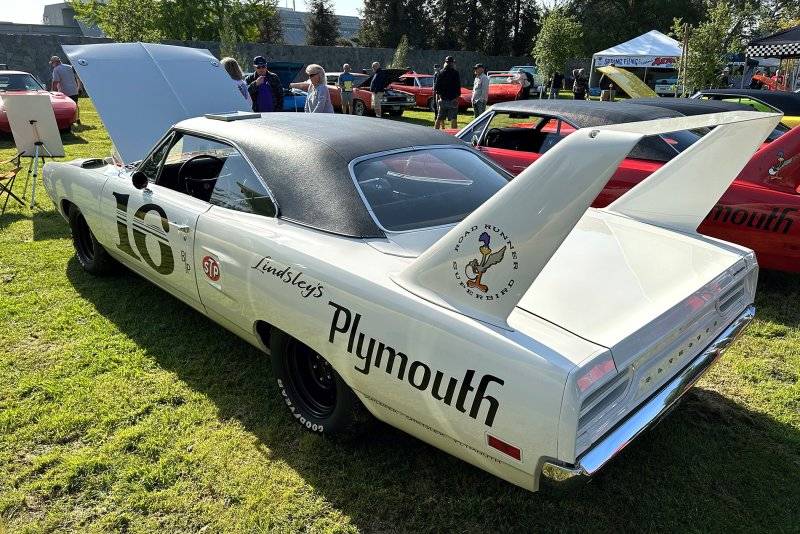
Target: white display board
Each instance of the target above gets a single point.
(32, 119)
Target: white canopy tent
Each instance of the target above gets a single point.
(652, 50)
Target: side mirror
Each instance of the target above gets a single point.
(139, 180)
(474, 140)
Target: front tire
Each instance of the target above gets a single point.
(90, 253)
(317, 397)
(359, 108)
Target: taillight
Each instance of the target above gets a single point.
(595, 373)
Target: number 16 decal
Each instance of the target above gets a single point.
(141, 231)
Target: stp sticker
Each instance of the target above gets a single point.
(211, 268)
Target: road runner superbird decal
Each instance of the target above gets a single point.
(475, 269)
(140, 232)
(371, 353)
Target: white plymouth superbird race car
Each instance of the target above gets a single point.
(392, 266)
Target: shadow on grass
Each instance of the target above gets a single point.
(46, 224)
(712, 465)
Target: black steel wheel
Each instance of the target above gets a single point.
(359, 108)
(90, 253)
(317, 397)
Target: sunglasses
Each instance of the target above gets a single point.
(259, 67)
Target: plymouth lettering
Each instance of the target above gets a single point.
(777, 221)
(372, 353)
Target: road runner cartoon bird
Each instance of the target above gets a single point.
(488, 258)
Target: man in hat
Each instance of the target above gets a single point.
(447, 89)
(265, 87)
(66, 81)
(480, 89)
(377, 87)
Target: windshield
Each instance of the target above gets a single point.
(501, 79)
(427, 187)
(19, 82)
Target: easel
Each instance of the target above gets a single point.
(37, 158)
(9, 178)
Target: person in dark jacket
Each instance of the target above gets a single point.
(265, 87)
(447, 90)
(377, 86)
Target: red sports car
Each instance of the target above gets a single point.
(760, 210)
(421, 86)
(394, 102)
(12, 81)
(504, 87)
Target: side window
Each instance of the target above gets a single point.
(238, 188)
(214, 172)
(407, 81)
(475, 130)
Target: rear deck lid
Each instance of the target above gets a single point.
(613, 276)
(141, 89)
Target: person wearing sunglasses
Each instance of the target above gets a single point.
(319, 98)
(265, 87)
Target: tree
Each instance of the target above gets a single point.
(498, 20)
(560, 39)
(400, 59)
(710, 43)
(123, 20)
(322, 27)
(382, 23)
(526, 26)
(157, 20)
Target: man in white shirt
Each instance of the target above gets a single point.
(480, 90)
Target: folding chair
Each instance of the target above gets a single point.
(7, 179)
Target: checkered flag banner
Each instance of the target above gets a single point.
(779, 50)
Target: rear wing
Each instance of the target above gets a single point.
(483, 266)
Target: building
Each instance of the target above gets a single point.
(61, 14)
(293, 24)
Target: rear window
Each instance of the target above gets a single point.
(428, 187)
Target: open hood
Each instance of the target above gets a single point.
(141, 90)
(287, 71)
(393, 76)
(628, 82)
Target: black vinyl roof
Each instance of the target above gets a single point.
(587, 113)
(688, 106)
(788, 103)
(304, 159)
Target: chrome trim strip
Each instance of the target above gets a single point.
(647, 414)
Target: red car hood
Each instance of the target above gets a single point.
(62, 104)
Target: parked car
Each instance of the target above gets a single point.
(13, 81)
(760, 100)
(539, 80)
(503, 87)
(666, 86)
(421, 86)
(394, 102)
(411, 278)
(759, 210)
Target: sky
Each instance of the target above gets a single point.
(30, 11)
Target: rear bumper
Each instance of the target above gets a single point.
(647, 415)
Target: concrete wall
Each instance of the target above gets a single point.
(31, 53)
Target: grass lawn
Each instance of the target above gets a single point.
(123, 410)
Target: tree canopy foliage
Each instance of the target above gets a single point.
(202, 20)
(322, 28)
(559, 40)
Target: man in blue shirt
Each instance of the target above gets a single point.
(345, 84)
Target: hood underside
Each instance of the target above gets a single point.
(141, 90)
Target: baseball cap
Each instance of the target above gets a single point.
(55, 58)
(259, 61)
(478, 66)
(449, 59)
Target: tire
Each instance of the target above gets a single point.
(317, 397)
(359, 108)
(90, 253)
(396, 113)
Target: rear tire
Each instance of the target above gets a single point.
(317, 397)
(90, 253)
